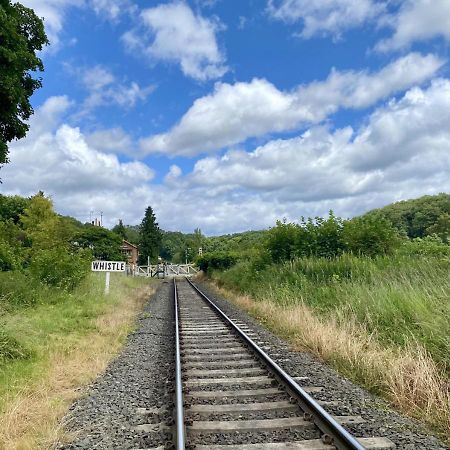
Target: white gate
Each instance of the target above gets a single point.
(166, 270)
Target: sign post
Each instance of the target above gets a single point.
(108, 267)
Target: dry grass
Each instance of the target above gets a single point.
(32, 417)
(408, 378)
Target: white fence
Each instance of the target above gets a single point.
(166, 270)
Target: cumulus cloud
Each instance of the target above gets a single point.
(418, 20)
(57, 158)
(114, 140)
(173, 33)
(54, 11)
(105, 89)
(235, 112)
(326, 17)
(402, 151)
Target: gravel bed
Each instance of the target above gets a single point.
(381, 420)
(257, 437)
(134, 390)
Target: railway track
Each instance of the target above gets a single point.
(230, 395)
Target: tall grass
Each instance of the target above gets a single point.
(383, 322)
(398, 299)
(59, 343)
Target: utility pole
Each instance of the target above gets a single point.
(101, 218)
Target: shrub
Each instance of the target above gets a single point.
(282, 241)
(370, 236)
(57, 267)
(8, 257)
(427, 246)
(217, 261)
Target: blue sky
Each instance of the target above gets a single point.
(228, 115)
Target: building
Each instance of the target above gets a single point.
(131, 252)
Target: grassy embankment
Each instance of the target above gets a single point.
(383, 322)
(57, 344)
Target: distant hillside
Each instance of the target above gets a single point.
(419, 217)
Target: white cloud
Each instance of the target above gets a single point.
(326, 17)
(178, 35)
(57, 159)
(54, 12)
(110, 140)
(233, 113)
(418, 20)
(403, 151)
(105, 89)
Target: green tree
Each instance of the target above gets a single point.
(120, 230)
(40, 223)
(370, 235)
(21, 36)
(11, 207)
(104, 243)
(150, 237)
(441, 227)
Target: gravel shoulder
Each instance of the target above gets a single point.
(381, 420)
(129, 405)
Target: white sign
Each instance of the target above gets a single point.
(108, 266)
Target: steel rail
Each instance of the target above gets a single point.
(334, 432)
(179, 420)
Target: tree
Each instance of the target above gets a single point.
(120, 230)
(21, 35)
(150, 237)
(104, 243)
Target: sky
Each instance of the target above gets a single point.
(228, 115)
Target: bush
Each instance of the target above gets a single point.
(369, 236)
(57, 267)
(427, 246)
(282, 241)
(8, 257)
(217, 261)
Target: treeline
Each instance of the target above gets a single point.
(414, 227)
(419, 217)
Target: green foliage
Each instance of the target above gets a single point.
(21, 36)
(120, 230)
(57, 267)
(103, 243)
(12, 207)
(149, 237)
(283, 241)
(369, 235)
(217, 261)
(441, 228)
(9, 260)
(416, 217)
(132, 234)
(331, 237)
(427, 246)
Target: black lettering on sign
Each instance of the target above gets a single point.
(95, 265)
(113, 265)
(109, 266)
(102, 266)
(122, 266)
